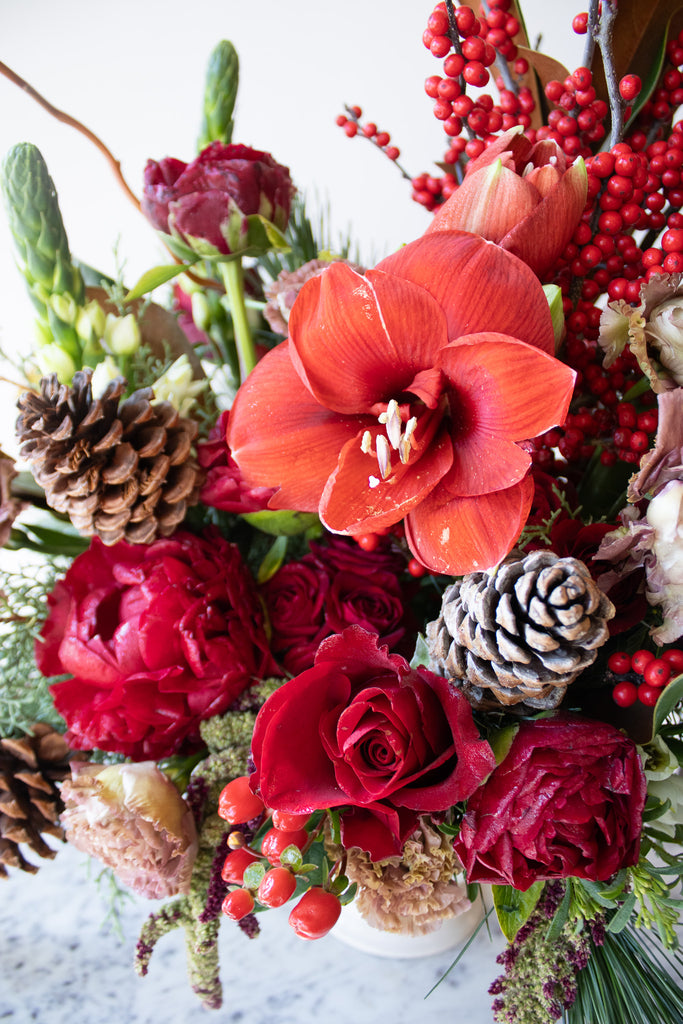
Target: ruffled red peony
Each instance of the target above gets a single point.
(403, 394)
(567, 801)
(364, 731)
(196, 201)
(156, 638)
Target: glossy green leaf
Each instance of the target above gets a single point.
(514, 908)
(153, 278)
(561, 916)
(253, 875)
(420, 658)
(672, 694)
(273, 560)
(502, 740)
(291, 858)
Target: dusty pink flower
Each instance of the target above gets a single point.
(133, 819)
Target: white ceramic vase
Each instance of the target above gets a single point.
(353, 930)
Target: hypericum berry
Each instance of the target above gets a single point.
(288, 821)
(674, 657)
(657, 672)
(315, 914)
(237, 904)
(276, 840)
(277, 885)
(648, 695)
(625, 694)
(619, 663)
(235, 864)
(237, 803)
(640, 659)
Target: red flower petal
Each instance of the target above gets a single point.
(280, 436)
(489, 203)
(460, 271)
(502, 391)
(356, 340)
(455, 536)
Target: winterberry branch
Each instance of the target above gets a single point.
(454, 36)
(603, 37)
(591, 32)
(65, 118)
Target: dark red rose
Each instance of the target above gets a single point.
(224, 487)
(157, 638)
(342, 554)
(195, 200)
(361, 729)
(295, 601)
(373, 601)
(566, 801)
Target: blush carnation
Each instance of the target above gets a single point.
(157, 638)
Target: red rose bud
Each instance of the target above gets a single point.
(362, 728)
(566, 801)
(208, 200)
(524, 197)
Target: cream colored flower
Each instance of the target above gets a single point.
(133, 819)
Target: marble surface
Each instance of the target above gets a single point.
(60, 961)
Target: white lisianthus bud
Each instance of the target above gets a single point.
(103, 374)
(178, 387)
(122, 334)
(53, 359)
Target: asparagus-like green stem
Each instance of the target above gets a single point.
(233, 278)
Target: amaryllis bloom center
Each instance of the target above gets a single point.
(403, 394)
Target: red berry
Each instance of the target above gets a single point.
(640, 659)
(237, 803)
(367, 541)
(416, 568)
(674, 657)
(657, 672)
(619, 663)
(235, 864)
(277, 885)
(276, 840)
(237, 904)
(288, 821)
(580, 23)
(629, 87)
(648, 695)
(625, 694)
(315, 914)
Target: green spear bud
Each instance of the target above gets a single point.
(220, 93)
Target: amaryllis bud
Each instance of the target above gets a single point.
(133, 819)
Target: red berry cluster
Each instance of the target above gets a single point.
(643, 675)
(352, 125)
(318, 909)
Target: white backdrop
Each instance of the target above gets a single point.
(134, 72)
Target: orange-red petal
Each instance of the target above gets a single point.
(455, 536)
(359, 340)
(490, 202)
(281, 437)
(479, 286)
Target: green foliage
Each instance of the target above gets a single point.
(514, 908)
(24, 695)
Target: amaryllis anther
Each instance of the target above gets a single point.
(403, 393)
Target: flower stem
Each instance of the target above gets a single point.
(233, 278)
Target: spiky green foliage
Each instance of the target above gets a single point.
(220, 94)
(24, 696)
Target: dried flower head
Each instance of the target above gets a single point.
(133, 819)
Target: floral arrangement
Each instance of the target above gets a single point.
(363, 584)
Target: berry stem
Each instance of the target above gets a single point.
(501, 62)
(603, 37)
(233, 278)
(591, 33)
(454, 36)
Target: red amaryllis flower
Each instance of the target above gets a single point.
(157, 638)
(524, 196)
(362, 728)
(403, 393)
(567, 801)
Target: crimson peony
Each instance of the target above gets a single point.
(361, 728)
(156, 638)
(404, 393)
(566, 801)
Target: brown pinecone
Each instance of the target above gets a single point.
(30, 803)
(520, 635)
(120, 470)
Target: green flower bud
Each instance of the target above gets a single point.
(53, 359)
(122, 334)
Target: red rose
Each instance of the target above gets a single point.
(157, 638)
(362, 728)
(372, 601)
(196, 200)
(295, 600)
(224, 487)
(566, 801)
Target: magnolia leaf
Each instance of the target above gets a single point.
(514, 908)
(542, 69)
(671, 695)
(153, 278)
(273, 560)
(281, 522)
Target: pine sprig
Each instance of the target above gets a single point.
(24, 693)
